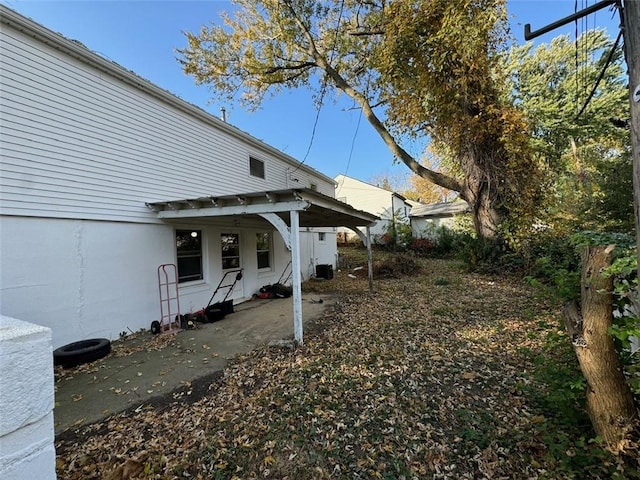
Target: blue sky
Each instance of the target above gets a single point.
(142, 36)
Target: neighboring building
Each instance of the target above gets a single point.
(389, 206)
(104, 177)
(426, 219)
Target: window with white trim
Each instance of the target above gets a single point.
(189, 255)
(263, 250)
(322, 236)
(230, 243)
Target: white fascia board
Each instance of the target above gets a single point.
(343, 208)
(235, 210)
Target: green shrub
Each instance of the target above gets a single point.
(422, 246)
(398, 233)
(447, 241)
(553, 262)
(625, 328)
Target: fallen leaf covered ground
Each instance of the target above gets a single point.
(429, 377)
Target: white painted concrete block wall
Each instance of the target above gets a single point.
(26, 401)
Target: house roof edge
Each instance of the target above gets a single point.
(82, 53)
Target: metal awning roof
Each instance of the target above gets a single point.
(315, 209)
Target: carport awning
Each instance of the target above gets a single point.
(315, 209)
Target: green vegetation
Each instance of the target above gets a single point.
(587, 157)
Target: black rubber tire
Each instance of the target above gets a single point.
(84, 351)
(155, 327)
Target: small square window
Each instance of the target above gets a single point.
(322, 236)
(256, 167)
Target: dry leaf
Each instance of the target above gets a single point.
(375, 392)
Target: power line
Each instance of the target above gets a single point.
(322, 91)
(353, 142)
(585, 50)
(315, 123)
(604, 69)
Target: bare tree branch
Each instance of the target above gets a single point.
(364, 33)
(301, 66)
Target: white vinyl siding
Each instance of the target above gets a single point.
(364, 196)
(84, 144)
(369, 198)
(79, 143)
(401, 209)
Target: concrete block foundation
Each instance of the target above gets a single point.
(26, 401)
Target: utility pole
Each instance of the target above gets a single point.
(630, 22)
(632, 54)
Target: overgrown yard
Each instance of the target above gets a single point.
(439, 374)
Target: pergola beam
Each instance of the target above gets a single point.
(240, 209)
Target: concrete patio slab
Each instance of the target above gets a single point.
(145, 368)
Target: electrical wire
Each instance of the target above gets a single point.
(353, 142)
(323, 89)
(601, 75)
(585, 50)
(322, 93)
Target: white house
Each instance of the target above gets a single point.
(388, 206)
(426, 219)
(104, 177)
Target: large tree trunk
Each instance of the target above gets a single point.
(481, 193)
(609, 399)
(479, 188)
(486, 218)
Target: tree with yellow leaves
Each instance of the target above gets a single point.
(415, 68)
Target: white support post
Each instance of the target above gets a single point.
(296, 276)
(369, 259)
(366, 240)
